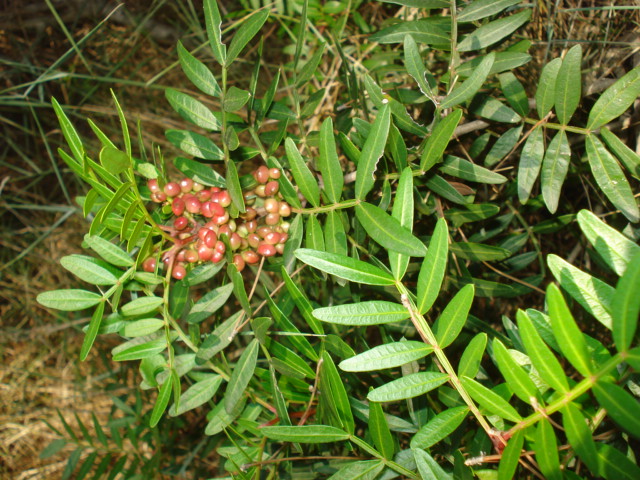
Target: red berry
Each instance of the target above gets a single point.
(253, 240)
(180, 257)
(274, 173)
(178, 206)
(235, 241)
(285, 209)
(193, 205)
(266, 250)
(250, 257)
(261, 174)
(249, 214)
(239, 262)
(197, 187)
(272, 219)
(263, 231)
(271, 188)
(172, 189)
(186, 184)
(210, 239)
(272, 238)
(224, 198)
(205, 253)
(205, 209)
(217, 256)
(149, 265)
(191, 256)
(179, 272)
(158, 197)
(251, 225)
(220, 247)
(283, 238)
(180, 223)
(153, 185)
(222, 219)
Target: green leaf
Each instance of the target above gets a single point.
(213, 21)
(439, 427)
(197, 72)
(232, 182)
(530, 163)
(494, 31)
(568, 87)
(140, 328)
(234, 99)
(428, 467)
(379, 430)
(628, 157)
(161, 402)
(69, 300)
(345, 267)
(363, 313)
(426, 4)
(301, 301)
(389, 355)
(422, 31)
(594, 295)
(114, 160)
(626, 306)
(541, 357)
(545, 94)
(439, 139)
(302, 175)
(408, 387)
(202, 273)
(504, 61)
(329, 164)
(371, 153)
(141, 306)
(464, 169)
(362, 470)
(221, 419)
(92, 331)
(472, 356)
(305, 434)
(310, 68)
(192, 110)
(615, 100)
(140, 350)
(510, 456)
(614, 465)
(579, 436)
(414, 65)
(335, 238)
(569, 337)
(388, 231)
(471, 85)
(90, 270)
(454, 316)
(245, 33)
(515, 93)
(314, 238)
(199, 173)
(484, 8)
(336, 395)
(546, 449)
(433, 267)
(403, 212)
(503, 146)
(69, 132)
(489, 400)
(514, 375)
(620, 405)
(209, 303)
(494, 110)
(296, 338)
(611, 179)
(440, 186)
(479, 252)
(197, 394)
(194, 144)
(219, 339)
(241, 375)
(554, 169)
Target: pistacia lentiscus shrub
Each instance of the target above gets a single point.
(314, 316)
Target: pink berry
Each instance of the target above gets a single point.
(210, 239)
(235, 241)
(149, 265)
(193, 205)
(251, 225)
(178, 206)
(272, 219)
(224, 198)
(186, 184)
(180, 257)
(272, 238)
(266, 250)
(285, 209)
(217, 256)
(197, 187)
(239, 262)
(153, 185)
(271, 205)
(261, 174)
(263, 231)
(253, 240)
(172, 189)
(191, 256)
(179, 272)
(158, 197)
(260, 191)
(205, 209)
(180, 223)
(250, 257)
(274, 173)
(280, 248)
(205, 253)
(220, 247)
(222, 219)
(271, 188)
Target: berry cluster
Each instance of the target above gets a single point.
(202, 221)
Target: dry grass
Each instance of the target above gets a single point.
(39, 371)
